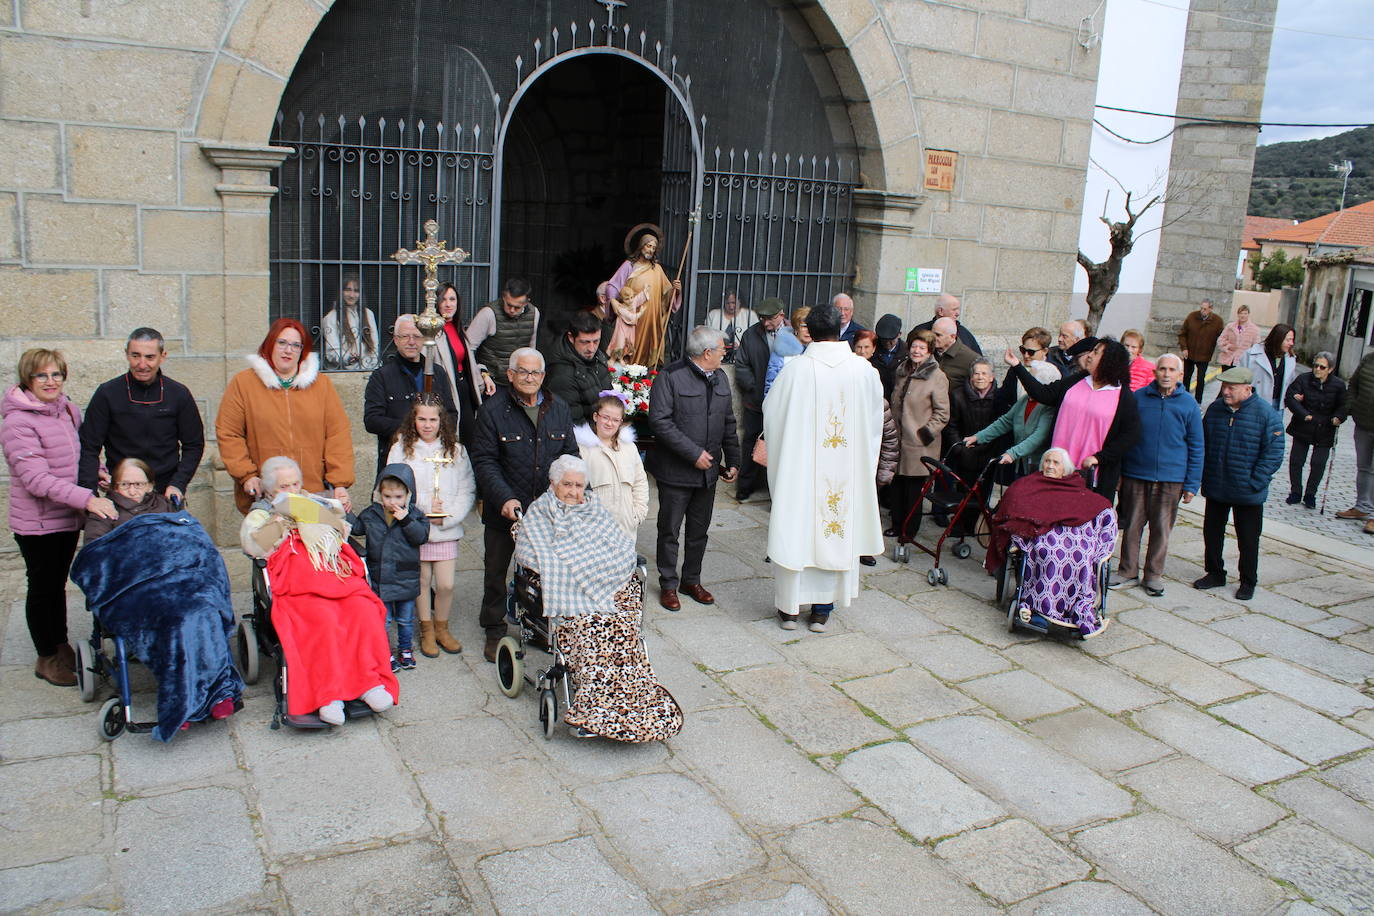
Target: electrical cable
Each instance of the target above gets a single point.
(1202, 119)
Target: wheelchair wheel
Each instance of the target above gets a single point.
(963, 551)
(901, 553)
(111, 723)
(85, 673)
(249, 661)
(510, 667)
(1013, 606)
(1006, 582)
(548, 712)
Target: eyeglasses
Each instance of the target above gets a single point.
(48, 376)
(602, 418)
(131, 486)
(1030, 351)
(290, 344)
(410, 337)
(528, 373)
(1323, 368)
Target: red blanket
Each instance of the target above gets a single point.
(1036, 504)
(332, 630)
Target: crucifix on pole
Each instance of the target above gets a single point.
(429, 253)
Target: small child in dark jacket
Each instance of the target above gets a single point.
(395, 528)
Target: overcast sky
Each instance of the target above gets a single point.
(1320, 78)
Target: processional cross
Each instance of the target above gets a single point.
(430, 253)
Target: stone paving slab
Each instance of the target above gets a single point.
(57, 736)
(1208, 802)
(1332, 872)
(186, 851)
(951, 656)
(1174, 869)
(924, 798)
(1328, 590)
(1182, 675)
(721, 645)
(1198, 641)
(80, 878)
(1355, 778)
(1117, 638)
(882, 616)
(843, 656)
(1053, 790)
(1082, 898)
(569, 877)
(1011, 860)
(871, 870)
(1308, 689)
(409, 878)
(772, 785)
(1019, 695)
(1271, 637)
(1279, 606)
(201, 755)
(807, 709)
(907, 696)
(1222, 747)
(1301, 732)
(798, 901)
(1100, 741)
(1332, 810)
(1363, 611)
(1100, 684)
(487, 808)
(50, 809)
(671, 831)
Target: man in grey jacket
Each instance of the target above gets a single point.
(694, 425)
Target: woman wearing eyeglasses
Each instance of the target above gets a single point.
(282, 405)
(133, 494)
(46, 505)
(1318, 402)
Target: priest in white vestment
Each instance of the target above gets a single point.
(822, 425)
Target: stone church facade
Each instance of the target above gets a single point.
(136, 180)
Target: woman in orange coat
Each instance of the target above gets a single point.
(282, 405)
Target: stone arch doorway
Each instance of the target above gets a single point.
(591, 144)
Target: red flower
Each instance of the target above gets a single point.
(625, 380)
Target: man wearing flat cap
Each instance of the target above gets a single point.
(1244, 447)
(751, 368)
(889, 351)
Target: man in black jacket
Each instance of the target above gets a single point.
(395, 383)
(751, 369)
(694, 425)
(143, 414)
(520, 431)
(577, 367)
(948, 305)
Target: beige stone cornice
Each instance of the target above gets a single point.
(885, 211)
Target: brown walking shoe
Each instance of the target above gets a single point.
(698, 594)
(669, 599)
(1369, 526)
(51, 669)
(1352, 512)
(489, 649)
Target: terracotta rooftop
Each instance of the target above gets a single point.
(1261, 227)
(1352, 227)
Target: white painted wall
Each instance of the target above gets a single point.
(1142, 54)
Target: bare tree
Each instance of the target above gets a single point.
(1186, 194)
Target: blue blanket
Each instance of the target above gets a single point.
(158, 581)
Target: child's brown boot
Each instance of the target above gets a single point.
(447, 641)
(428, 647)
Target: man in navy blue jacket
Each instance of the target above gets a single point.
(1244, 439)
(1164, 467)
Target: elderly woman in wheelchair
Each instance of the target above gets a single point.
(578, 594)
(312, 608)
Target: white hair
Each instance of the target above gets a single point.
(703, 338)
(945, 325)
(1174, 356)
(272, 468)
(407, 318)
(564, 465)
(1043, 371)
(523, 352)
(945, 301)
(842, 297)
(1064, 458)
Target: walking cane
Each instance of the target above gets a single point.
(1326, 484)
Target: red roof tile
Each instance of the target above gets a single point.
(1352, 227)
(1260, 227)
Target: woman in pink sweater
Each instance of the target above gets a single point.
(47, 508)
(1237, 338)
(1142, 370)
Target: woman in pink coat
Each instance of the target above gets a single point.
(1238, 337)
(47, 508)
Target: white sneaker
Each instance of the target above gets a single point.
(333, 713)
(377, 699)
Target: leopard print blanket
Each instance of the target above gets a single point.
(617, 695)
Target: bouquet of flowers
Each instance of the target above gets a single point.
(632, 383)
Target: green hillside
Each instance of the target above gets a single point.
(1294, 180)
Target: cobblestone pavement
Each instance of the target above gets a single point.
(1202, 756)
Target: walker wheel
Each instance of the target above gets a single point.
(548, 712)
(933, 576)
(85, 670)
(944, 576)
(510, 666)
(963, 551)
(901, 553)
(111, 723)
(249, 662)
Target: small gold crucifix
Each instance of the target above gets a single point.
(430, 253)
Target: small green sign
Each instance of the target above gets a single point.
(911, 281)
